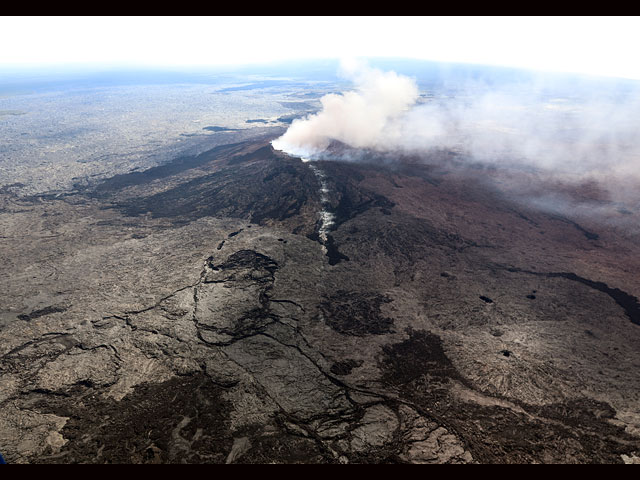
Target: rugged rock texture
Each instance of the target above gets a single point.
(190, 313)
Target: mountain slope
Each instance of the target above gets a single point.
(193, 313)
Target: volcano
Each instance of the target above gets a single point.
(204, 311)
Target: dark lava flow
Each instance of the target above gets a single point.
(629, 303)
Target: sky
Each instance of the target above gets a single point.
(596, 45)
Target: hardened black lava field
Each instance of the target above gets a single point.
(191, 313)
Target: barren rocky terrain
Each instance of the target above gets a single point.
(192, 313)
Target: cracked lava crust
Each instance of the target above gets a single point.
(196, 313)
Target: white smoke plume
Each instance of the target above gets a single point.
(358, 118)
(585, 130)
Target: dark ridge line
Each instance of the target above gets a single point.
(585, 232)
(215, 128)
(173, 167)
(524, 217)
(629, 303)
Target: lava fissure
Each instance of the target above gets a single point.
(327, 218)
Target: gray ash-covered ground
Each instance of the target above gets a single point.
(189, 313)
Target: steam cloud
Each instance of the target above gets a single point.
(587, 130)
(358, 118)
